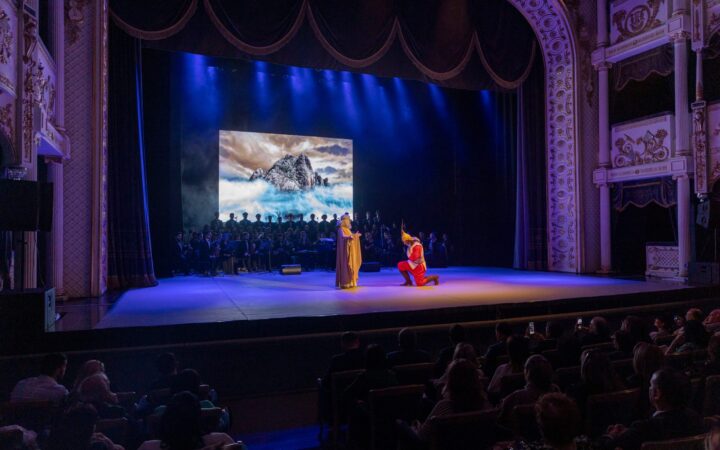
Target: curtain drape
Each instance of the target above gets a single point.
(130, 262)
(530, 194)
(439, 40)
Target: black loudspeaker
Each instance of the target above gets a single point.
(25, 205)
(291, 269)
(370, 266)
(708, 214)
(704, 273)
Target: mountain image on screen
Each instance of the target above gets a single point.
(291, 173)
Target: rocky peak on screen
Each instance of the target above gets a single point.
(291, 173)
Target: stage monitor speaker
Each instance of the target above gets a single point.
(370, 266)
(704, 273)
(291, 269)
(708, 214)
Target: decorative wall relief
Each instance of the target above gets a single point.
(75, 10)
(642, 141)
(631, 18)
(699, 142)
(549, 19)
(713, 121)
(29, 83)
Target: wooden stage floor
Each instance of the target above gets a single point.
(250, 297)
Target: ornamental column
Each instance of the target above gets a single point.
(55, 166)
(602, 68)
(682, 115)
(683, 220)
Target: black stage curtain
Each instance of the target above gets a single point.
(454, 43)
(531, 198)
(130, 262)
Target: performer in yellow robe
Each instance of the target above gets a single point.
(349, 259)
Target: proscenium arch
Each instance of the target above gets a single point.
(549, 21)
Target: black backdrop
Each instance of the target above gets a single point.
(442, 159)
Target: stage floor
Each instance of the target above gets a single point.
(248, 297)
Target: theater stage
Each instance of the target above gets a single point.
(464, 293)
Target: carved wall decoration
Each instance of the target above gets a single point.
(75, 10)
(642, 141)
(6, 37)
(549, 19)
(653, 149)
(700, 147)
(631, 18)
(713, 142)
(29, 85)
(586, 46)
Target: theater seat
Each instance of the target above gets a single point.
(414, 373)
(465, 431)
(388, 405)
(607, 409)
(687, 443)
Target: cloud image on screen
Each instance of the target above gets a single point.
(274, 174)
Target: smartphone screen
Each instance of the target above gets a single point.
(579, 322)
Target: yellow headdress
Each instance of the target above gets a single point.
(406, 237)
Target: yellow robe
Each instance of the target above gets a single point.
(348, 260)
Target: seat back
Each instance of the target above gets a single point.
(388, 405)
(210, 419)
(115, 429)
(686, 443)
(511, 383)
(567, 376)
(711, 400)
(607, 409)
(339, 381)
(606, 347)
(623, 367)
(159, 396)
(556, 358)
(464, 431)
(524, 422)
(414, 373)
(33, 415)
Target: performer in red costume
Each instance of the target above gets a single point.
(415, 263)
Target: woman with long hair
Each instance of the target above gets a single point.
(180, 427)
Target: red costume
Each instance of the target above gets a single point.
(415, 263)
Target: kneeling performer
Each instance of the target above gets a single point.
(415, 263)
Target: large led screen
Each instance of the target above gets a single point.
(278, 174)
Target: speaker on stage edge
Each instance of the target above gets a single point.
(291, 269)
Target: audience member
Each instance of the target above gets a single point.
(351, 358)
(669, 392)
(636, 327)
(559, 421)
(597, 376)
(90, 367)
(712, 441)
(463, 393)
(693, 337)
(597, 333)
(694, 314)
(503, 330)
(664, 325)
(166, 365)
(623, 343)
(408, 353)
(180, 427)
(457, 335)
(377, 375)
(76, 431)
(517, 349)
(95, 390)
(647, 359)
(538, 378)
(46, 386)
(554, 332)
(15, 437)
